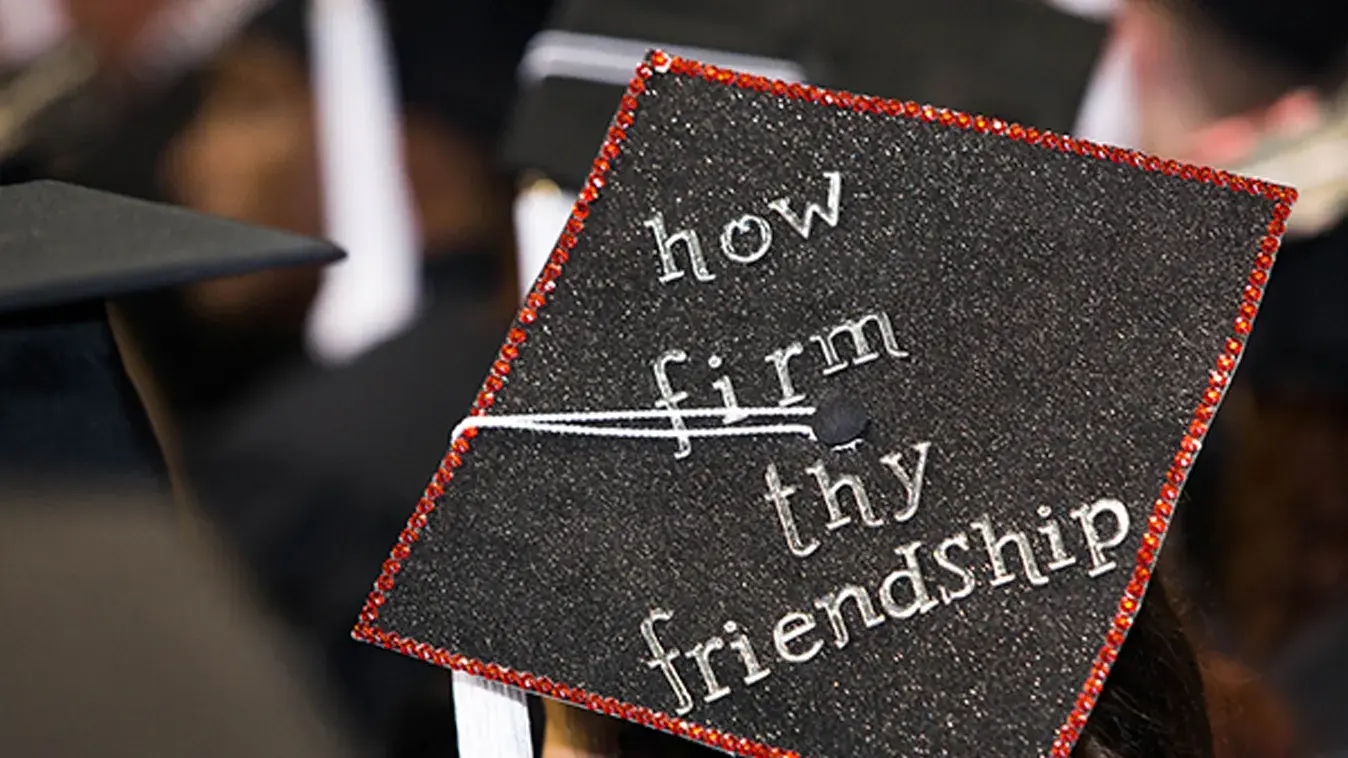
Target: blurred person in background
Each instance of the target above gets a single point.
(245, 150)
(211, 104)
(107, 107)
(313, 477)
(183, 662)
(251, 152)
(1258, 87)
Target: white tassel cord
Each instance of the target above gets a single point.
(578, 423)
(492, 719)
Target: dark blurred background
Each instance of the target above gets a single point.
(442, 141)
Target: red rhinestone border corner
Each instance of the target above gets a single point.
(1158, 524)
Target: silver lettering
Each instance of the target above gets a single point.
(664, 659)
(669, 399)
(664, 243)
(743, 225)
(831, 489)
(942, 556)
(996, 545)
(803, 224)
(911, 483)
(790, 628)
(728, 399)
(781, 360)
(1101, 563)
(864, 352)
(831, 604)
(739, 642)
(779, 497)
(912, 572)
(701, 655)
(1061, 558)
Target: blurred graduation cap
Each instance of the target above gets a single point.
(1021, 60)
(67, 407)
(835, 426)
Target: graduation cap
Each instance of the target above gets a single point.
(836, 426)
(67, 406)
(1027, 61)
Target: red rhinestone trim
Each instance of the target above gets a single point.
(1162, 510)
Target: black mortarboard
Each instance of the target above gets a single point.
(67, 407)
(837, 426)
(458, 60)
(1025, 61)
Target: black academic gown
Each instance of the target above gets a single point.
(1302, 345)
(125, 638)
(1312, 673)
(312, 482)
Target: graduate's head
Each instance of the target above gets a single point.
(1153, 703)
(1166, 699)
(251, 150)
(1215, 77)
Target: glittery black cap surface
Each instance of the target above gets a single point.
(1028, 322)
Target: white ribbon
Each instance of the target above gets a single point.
(373, 294)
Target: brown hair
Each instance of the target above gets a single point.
(1153, 703)
(1276, 501)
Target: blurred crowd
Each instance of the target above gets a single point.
(298, 444)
